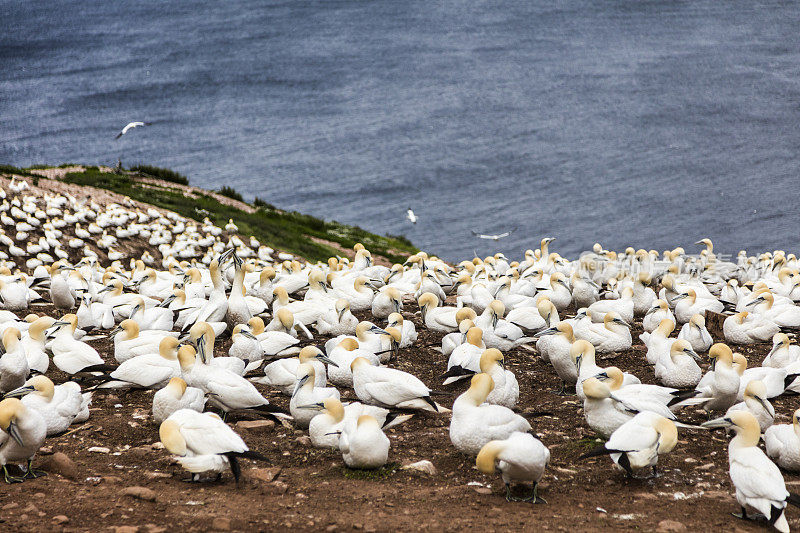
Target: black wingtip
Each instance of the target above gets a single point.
(793, 499)
(597, 452)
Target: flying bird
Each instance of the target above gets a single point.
(131, 125)
(494, 237)
(411, 216)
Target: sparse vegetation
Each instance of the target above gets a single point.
(161, 173)
(230, 192)
(261, 204)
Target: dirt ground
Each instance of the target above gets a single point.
(313, 491)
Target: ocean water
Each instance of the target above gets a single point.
(643, 123)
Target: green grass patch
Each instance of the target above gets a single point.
(378, 474)
(161, 173)
(8, 169)
(290, 231)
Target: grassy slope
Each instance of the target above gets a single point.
(289, 231)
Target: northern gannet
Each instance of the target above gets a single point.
(678, 368)
(174, 396)
(227, 390)
(407, 329)
(783, 444)
(441, 319)
(306, 392)
(151, 370)
(23, 432)
(364, 444)
(520, 458)
(635, 445)
(130, 126)
(59, 406)
(696, 333)
(475, 423)
(756, 402)
(464, 360)
(70, 355)
(721, 391)
(658, 312)
(758, 482)
(282, 374)
(13, 363)
(506, 389)
(389, 387)
(202, 442)
(324, 429)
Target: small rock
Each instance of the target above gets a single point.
(9, 506)
(40, 495)
(158, 475)
(60, 519)
(60, 464)
(152, 528)
(424, 466)
(126, 529)
(305, 440)
(221, 524)
(667, 526)
(141, 493)
(267, 475)
(482, 490)
(706, 466)
(113, 480)
(99, 449)
(249, 425)
(157, 445)
(276, 487)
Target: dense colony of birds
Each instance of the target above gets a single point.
(166, 318)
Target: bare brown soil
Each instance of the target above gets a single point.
(313, 490)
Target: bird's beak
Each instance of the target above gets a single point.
(319, 406)
(114, 331)
(134, 310)
(168, 300)
(19, 392)
(601, 376)
(548, 331)
(299, 384)
(105, 289)
(693, 354)
(766, 405)
(721, 422)
(380, 331)
(248, 335)
(15, 434)
(620, 321)
(681, 296)
(652, 310)
(327, 360)
(341, 313)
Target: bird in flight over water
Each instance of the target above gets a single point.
(496, 237)
(130, 126)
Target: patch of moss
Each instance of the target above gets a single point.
(378, 474)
